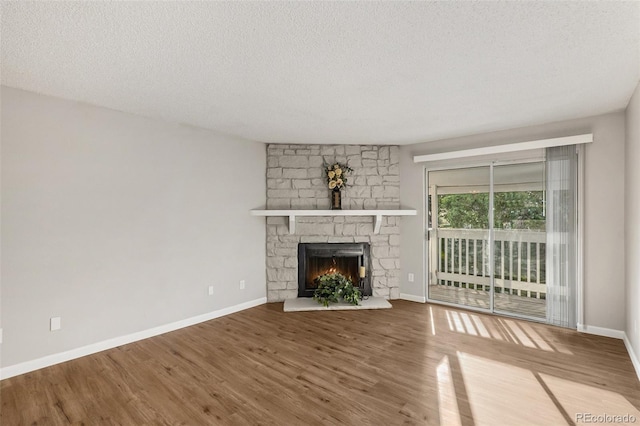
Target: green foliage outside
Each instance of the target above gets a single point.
(512, 210)
(335, 287)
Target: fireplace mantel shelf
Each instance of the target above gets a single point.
(377, 214)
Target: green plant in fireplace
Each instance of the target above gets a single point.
(334, 287)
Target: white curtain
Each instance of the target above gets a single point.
(561, 220)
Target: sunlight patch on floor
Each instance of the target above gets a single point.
(457, 322)
(480, 326)
(447, 402)
(518, 334)
(495, 333)
(578, 398)
(433, 324)
(535, 337)
(471, 329)
(501, 394)
(504, 329)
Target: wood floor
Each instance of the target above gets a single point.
(413, 364)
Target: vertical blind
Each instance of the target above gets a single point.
(561, 226)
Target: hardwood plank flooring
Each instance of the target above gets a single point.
(413, 364)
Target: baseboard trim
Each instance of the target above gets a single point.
(601, 331)
(634, 358)
(49, 360)
(412, 298)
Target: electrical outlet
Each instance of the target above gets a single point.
(0, 336)
(242, 283)
(210, 290)
(411, 277)
(55, 324)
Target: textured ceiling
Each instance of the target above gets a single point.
(330, 72)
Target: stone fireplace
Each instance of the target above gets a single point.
(296, 180)
(349, 259)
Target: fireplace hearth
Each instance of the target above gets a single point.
(350, 259)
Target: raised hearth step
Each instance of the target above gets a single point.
(308, 304)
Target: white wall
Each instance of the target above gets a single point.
(604, 209)
(632, 223)
(119, 223)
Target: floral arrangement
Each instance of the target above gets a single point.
(336, 175)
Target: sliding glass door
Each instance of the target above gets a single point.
(459, 256)
(519, 229)
(489, 243)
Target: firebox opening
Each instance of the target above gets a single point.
(316, 266)
(349, 259)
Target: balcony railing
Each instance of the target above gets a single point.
(461, 259)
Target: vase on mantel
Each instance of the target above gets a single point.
(336, 199)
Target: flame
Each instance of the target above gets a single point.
(334, 270)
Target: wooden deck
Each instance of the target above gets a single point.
(518, 305)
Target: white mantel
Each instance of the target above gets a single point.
(377, 214)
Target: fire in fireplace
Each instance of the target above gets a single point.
(349, 259)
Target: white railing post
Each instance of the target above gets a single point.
(538, 263)
(467, 255)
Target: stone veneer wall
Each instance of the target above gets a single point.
(296, 180)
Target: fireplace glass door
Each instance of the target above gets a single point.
(316, 259)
